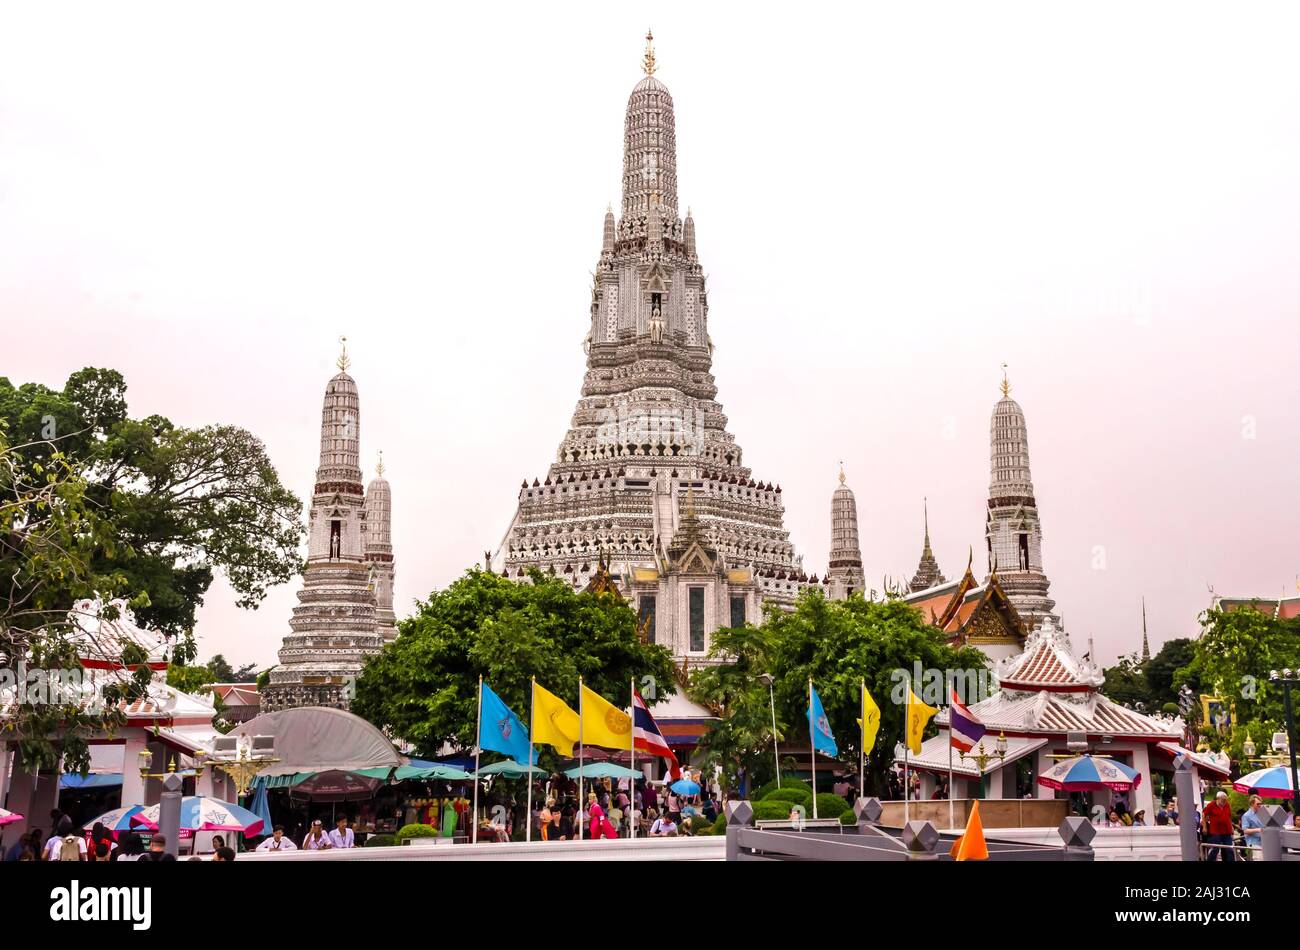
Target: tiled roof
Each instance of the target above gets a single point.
(1046, 713)
(1047, 663)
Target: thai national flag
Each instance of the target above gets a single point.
(964, 727)
(646, 736)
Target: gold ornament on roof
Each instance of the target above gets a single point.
(379, 467)
(841, 471)
(1006, 386)
(648, 63)
(343, 362)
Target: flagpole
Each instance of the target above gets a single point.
(812, 746)
(582, 801)
(907, 746)
(951, 822)
(528, 832)
(631, 782)
(862, 745)
(478, 726)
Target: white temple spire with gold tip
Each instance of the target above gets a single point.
(648, 61)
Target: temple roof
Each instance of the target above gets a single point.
(1048, 664)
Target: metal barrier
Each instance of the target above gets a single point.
(869, 841)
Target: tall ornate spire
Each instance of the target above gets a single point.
(333, 630)
(1146, 645)
(648, 61)
(927, 571)
(379, 549)
(1013, 532)
(844, 572)
(649, 146)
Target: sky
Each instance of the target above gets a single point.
(890, 202)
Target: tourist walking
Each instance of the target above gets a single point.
(1216, 826)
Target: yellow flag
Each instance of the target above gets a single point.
(918, 714)
(603, 723)
(870, 722)
(554, 723)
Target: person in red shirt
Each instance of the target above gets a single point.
(1216, 825)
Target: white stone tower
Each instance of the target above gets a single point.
(1013, 532)
(844, 575)
(648, 427)
(379, 550)
(333, 629)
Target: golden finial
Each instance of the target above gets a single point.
(1006, 386)
(379, 467)
(343, 362)
(648, 64)
(841, 471)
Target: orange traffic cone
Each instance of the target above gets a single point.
(971, 846)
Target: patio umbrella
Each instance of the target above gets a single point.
(200, 813)
(1272, 782)
(510, 769)
(260, 806)
(119, 819)
(336, 785)
(685, 787)
(603, 770)
(1086, 773)
(7, 816)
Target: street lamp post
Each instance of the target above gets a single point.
(767, 679)
(169, 804)
(983, 758)
(1287, 680)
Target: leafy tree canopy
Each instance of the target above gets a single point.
(176, 504)
(423, 687)
(838, 644)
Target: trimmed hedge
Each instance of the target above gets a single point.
(794, 795)
(416, 831)
(771, 810)
(831, 806)
(770, 787)
(719, 826)
(381, 841)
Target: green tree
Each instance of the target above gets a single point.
(423, 687)
(179, 504)
(1232, 659)
(1126, 683)
(49, 535)
(838, 644)
(1160, 671)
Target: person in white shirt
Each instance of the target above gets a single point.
(664, 827)
(277, 842)
(342, 836)
(317, 839)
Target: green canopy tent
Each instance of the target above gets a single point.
(509, 768)
(603, 770)
(414, 772)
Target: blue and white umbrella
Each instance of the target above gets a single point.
(1086, 773)
(199, 813)
(685, 787)
(1272, 782)
(119, 819)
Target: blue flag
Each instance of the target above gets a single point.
(500, 730)
(820, 726)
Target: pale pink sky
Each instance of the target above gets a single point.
(889, 202)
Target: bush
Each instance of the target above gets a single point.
(719, 826)
(771, 810)
(795, 795)
(381, 841)
(416, 831)
(848, 818)
(700, 825)
(831, 806)
(770, 787)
